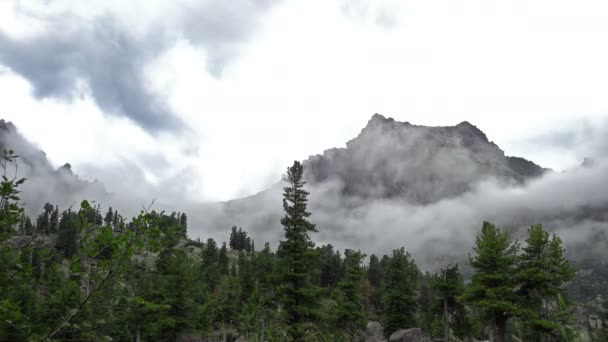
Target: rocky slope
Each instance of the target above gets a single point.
(392, 159)
(45, 183)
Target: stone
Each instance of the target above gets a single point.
(410, 335)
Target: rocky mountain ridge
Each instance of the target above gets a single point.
(392, 159)
(44, 182)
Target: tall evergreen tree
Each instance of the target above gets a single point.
(493, 285)
(399, 306)
(109, 218)
(223, 260)
(67, 234)
(351, 313)
(542, 271)
(296, 254)
(450, 285)
(210, 272)
(43, 224)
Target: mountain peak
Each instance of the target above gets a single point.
(7, 126)
(422, 164)
(379, 119)
(468, 128)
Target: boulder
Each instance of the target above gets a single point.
(374, 330)
(410, 335)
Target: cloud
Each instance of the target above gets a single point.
(378, 12)
(436, 231)
(102, 54)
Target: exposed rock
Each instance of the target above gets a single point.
(410, 335)
(422, 164)
(374, 332)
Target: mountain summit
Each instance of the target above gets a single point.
(422, 164)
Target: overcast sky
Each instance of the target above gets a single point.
(220, 96)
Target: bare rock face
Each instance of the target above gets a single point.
(410, 335)
(422, 164)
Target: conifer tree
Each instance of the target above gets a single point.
(542, 271)
(54, 220)
(223, 260)
(351, 313)
(296, 254)
(67, 234)
(493, 285)
(210, 265)
(109, 218)
(450, 285)
(399, 306)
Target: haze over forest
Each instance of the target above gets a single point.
(416, 123)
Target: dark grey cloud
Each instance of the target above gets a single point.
(109, 58)
(102, 55)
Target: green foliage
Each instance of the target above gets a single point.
(350, 315)
(399, 305)
(542, 271)
(449, 286)
(604, 317)
(493, 284)
(78, 275)
(10, 210)
(297, 257)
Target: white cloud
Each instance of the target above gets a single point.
(315, 72)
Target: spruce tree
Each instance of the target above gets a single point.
(542, 271)
(296, 254)
(493, 285)
(399, 306)
(210, 272)
(450, 285)
(232, 242)
(109, 218)
(223, 260)
(351, 313)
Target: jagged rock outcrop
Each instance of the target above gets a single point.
(392, 159)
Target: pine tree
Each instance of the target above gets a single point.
(450, 285)
(109, 218)
(351, 313)
(296, 254)
(67, 234)
(542, 271)
(332, 266)
(223, 260)
(210, 265)
(116, 220)
(233, 237)
(375, 275)
(178, 283)
(43, 224)
(493, 285)
(399, 306)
